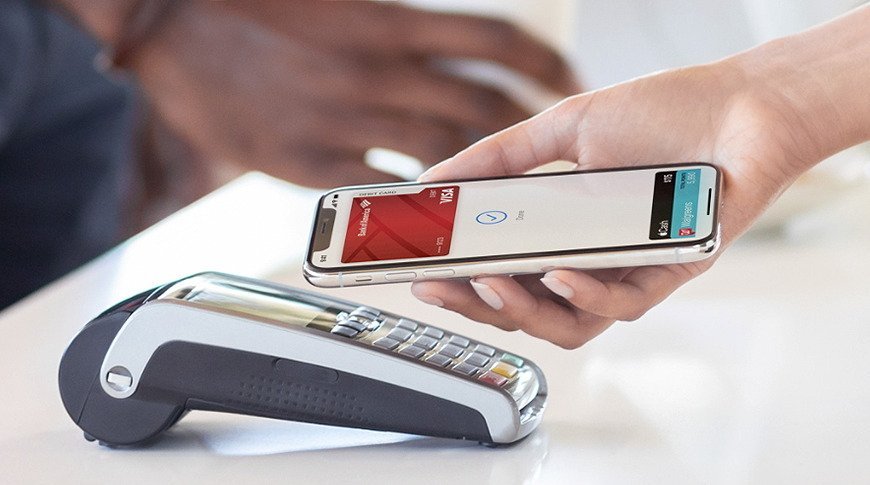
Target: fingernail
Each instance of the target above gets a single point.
(488, 295)
(429, 173)
(431, 300)
(558, 286)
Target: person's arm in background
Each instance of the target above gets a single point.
(301, 89)
(763, 117)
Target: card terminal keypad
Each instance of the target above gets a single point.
(429, 344)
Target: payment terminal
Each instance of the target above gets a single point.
(217, 342)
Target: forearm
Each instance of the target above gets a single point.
(821, 77)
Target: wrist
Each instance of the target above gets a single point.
(122, 26)
(104, 19)
(815, 82)
(143, 22)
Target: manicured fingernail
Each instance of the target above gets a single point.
(488, 295)
(558, 286)
(431, 300)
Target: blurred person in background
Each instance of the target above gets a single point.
(298, 89)
(65, 143)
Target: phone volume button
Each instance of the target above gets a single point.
(403, 276)
(439, 273)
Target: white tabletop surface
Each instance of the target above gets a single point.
(756, 372)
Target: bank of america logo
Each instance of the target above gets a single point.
(365, 203)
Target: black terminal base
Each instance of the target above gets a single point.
(228, 380)
(182, 376)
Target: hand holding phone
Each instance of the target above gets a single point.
(749, 114)
(708, 112)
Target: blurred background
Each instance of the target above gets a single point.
(323, 94)
(605, 43)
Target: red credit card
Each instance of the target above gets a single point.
(401, 226)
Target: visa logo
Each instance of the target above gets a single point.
(447, 195)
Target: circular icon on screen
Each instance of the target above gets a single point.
(491, 217)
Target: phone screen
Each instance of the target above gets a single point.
(519, 216)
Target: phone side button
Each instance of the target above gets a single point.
(362, 278)
(439, 273)
(404, 276)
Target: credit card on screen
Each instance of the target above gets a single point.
(401, 226)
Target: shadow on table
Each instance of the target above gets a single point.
(303, 450)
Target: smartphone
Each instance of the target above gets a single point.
(622, 217)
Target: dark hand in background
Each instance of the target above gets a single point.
(302, 89)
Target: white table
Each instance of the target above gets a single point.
(757, 372)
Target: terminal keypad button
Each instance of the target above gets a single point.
(409, 325)
(355, 323)
(504, 369)
(413, 351)
(485, 350)
(426, 342)
(433, 332)
(460, 341)
(400, 334)
(464, 368)
(344, 331)
(451, 350)
(493, 378)
(476, 359)
(439, 360)
(512, 360)
(386, 343)
(366, 312)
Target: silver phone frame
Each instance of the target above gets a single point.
(534, 265)
(413, 271)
